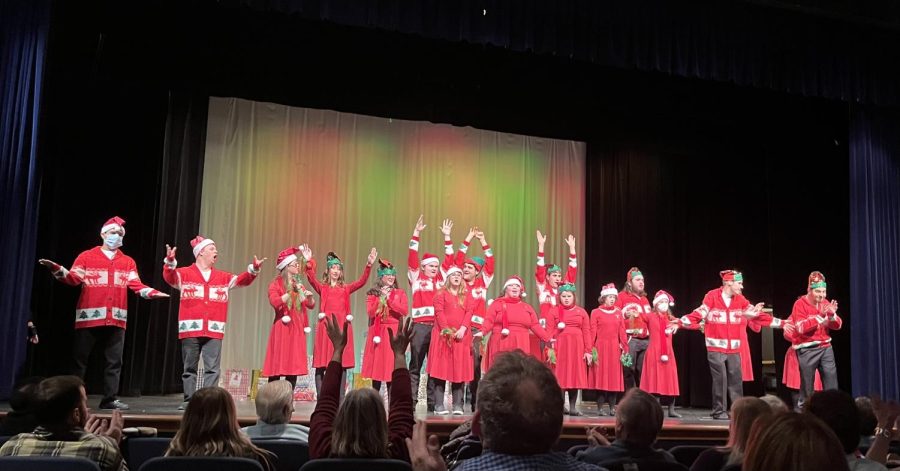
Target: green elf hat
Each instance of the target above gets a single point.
(385, 268)
(731, 275)
(333, 259)
(817, 280)
(566, 287)
(478, 262)
(553, 268)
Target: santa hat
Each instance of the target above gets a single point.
(198, 243)
(452, 270)
(478, 262)
(286, 257)
(609, 289)
(114, 222)
(429, 258)
(663, 296)
(731, 275)
(633, 272)
(515, 279)
(385, 267)
(816, 280)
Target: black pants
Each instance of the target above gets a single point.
(725, 369)
(320, 378)
(192, 349)
(810, 360)
(418, 350)
(476, 356)
(636, 347)
(289, 378)
(112, 340)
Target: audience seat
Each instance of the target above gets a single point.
(687, 454)
(575, 449)
(46, 463)
(732, 467)
(638, 465)
(200, 463)
(342, 464)
(291, 453)
(139, 450)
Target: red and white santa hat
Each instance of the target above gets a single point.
(429, 258)
(663, 296)
(114, 222)
(609, 289)
(198, 243)
(515, 279)
(452, 270)
(286, 257)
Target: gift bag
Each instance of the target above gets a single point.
(237, 382)
(257, 380)
(306, 385)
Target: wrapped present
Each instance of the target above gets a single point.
(257, 380)
(359, 382)
(306, 384)
(237, 382)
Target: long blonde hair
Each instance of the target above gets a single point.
(210, 428)
(360, 427)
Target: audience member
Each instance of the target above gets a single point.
(210, 427)
(22, 417)
(838, 410)
(66, 429)
(867, 421)
(744, 413)
(274, 407)
(793, 442)
(776, 403)
(358, 427)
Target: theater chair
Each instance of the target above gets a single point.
(200, 463)
(139, 450)
(687, 454)
(638, 465)
(341, 464)
(291, 454)
(46, 463)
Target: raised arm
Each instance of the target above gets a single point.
(170, 268)
(540, 270)
(487, 273)
(247, 277)
(413, 259)
(361, 281)
(572, 269)
(73, 277)
(311, 275)
(446, 227)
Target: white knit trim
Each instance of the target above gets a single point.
(426, 261)
(287, 261)
(203, 243)
(661, 298)
(609, 292)
(110, 226)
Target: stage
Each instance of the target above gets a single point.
(160, 412)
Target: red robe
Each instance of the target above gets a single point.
(608, 337)
(659, 377)
(517, 316)
(450, 359)
(333, 300)
(378, 358)
(572, 342)
(286, 350)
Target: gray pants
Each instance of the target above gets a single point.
(810, 360)
(456, 392)
(418, 350)
(191, 350)
(637, 348)
(725, 369)
(476, 356)
(112, 340)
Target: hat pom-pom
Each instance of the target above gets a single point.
(504, 332)
(664, 358)
(349, 317)
(307, 329)
(376, 340)
(523, 294)
(285, 319)
(561, 325)
(490, 301)
(321, 315)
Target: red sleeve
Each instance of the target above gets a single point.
(461, 254)
(74, 277)
(398, 303)
(372, 302)
(488, 262)
(170, 275)
(536, 326)
(552, 319)
(244, 279)
(804, 323)
(448, 255)
(311, 276)
(439, 316)
(321, 422)
(361, 281)
(489, 315)
(470, 310)
(134, 280)
(400, 414)
(275, 294)
(309, 302)
(692, 320)
(586, 331)
(623, 339)
(540, 270)
(572, 270)
(413, 259)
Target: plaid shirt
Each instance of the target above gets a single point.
(79, 444)
(540, 462)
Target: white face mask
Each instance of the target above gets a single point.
(113, 241)
(663, 307)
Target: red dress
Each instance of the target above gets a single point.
(608, 337)
(791, 374)
(286, 350)
(572, 342)
(516, 316)
(659, 377)
(378, 358)
(334, 300)
(451, 359)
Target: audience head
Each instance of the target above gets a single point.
(867, 419)
(793, 442)
(61, 403)
(24, 396)
(360, 426)
(519, 409)
(744, 413)
(775, 403)
(639, 418)
(838, 410)
(275, 402)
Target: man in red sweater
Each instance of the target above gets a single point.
(203, 309)
(812, 317)
(104, 274)
(632, 300)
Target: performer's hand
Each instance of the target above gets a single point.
(157, 295)
(461, 333)
(424, 453)
(886, 412)
(373, 254)
(386, 290)
(541, 239)
(420, 225)
(588, 358)
(446, 227)
(53, 266)
(832, 307)
(597, 437)
(307, 253)
(170, 253)
(789, 328)
(471, 234)
(570, 241)
(480, 235)
(632, 312)
(336, 334)
(257, 263)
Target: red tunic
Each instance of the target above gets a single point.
(813, 324)
(724, 324)
(519, 318)
(659, 377)
(634, 326)
(334, 300)
(608, 337)
(791, 374)
(378, 358)
(451, 360)
(286, 351)
(572, 342)
(548, 295)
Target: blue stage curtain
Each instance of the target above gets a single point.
(23, 45)
(875, 251)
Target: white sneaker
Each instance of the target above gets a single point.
(458, 412)
(442, 412)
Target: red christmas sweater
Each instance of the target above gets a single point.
(724, 324)
(423, 287)
(203, 309)
(635, 327)
(476, 290)
(812, 323)
(104, 298)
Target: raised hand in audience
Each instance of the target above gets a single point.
(400, 343)
(338, 336)
(424, 450)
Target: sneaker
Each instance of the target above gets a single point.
(182, 406)
(114, 404)
(441, 411)
(458, 412)
(721, 416)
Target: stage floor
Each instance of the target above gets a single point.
(161, 412)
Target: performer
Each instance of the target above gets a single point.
(509, 320)
(722, 311)
(660, 372)
(104, 273)
(813, 316)
(386, 305)
(334, 299)
(450, 354)
(790, 377)
(608, 339)
(286, 354)
(425, 278)
(478, 273)
(203, 309)
(572, 328)
(632, 301)
(549, 278)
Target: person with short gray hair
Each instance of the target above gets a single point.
(274, 406)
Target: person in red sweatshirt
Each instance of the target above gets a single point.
(425, 277)
(478, 273)
(660, 367)
(571, 327)
(386, 305)
(632, 301)
(451, 350)
(549, 278)
(105, 274)
(608, 339)
(812, 317)
(722, 312)
(203, 309)
(510, 321)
